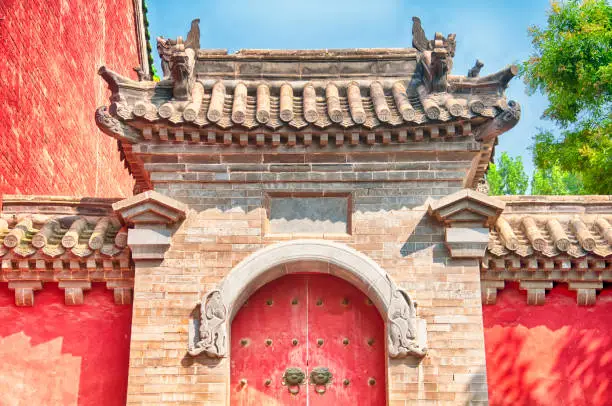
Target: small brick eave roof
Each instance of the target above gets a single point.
(62, 228)
(552, 226)
(542, 240)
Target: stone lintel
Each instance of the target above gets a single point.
(149, 243)
(536, 291)
(488, 289)
(586, 291)
(150, 208)
(466, 242)
(24, 291)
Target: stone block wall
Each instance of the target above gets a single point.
(228, 222)
(49, 56)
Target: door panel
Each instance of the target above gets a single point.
(334, 326)
(352, 349)
(276, 312)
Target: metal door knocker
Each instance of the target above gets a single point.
(293, 378)
(320, 377)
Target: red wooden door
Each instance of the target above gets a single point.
(308, 322)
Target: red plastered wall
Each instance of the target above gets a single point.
(53, 354)
(50, 52)
(556, 354)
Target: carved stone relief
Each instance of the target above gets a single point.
(211, 337)
(402, 327)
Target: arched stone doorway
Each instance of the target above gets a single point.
(404, 334)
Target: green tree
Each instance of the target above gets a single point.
(555, 181)
(507, 177)
(572, 66)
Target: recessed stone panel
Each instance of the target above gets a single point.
(315, 215)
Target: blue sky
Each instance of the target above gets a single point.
(493, 31)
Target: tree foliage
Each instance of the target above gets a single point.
(572, 66)
(507, 177)
(555, 181)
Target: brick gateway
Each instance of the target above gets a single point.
(264, 165)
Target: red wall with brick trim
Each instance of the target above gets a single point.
(50, 52)
(556, 354)
(52, 353)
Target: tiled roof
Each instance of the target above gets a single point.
(250, 104)
(57, 236)
(552, 235)
(71, 241)
(541, 240)
(273, 98)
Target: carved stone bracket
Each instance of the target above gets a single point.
(151, 214)
(122, 291)
(150, 208)
(586, 291)
(536, 291)
(73, 291)
(24, 291)
(489, 290)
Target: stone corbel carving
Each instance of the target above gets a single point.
(210, 336)
(115, 128)
(402, 329)
(503, 122)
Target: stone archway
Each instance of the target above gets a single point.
(208, 333)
